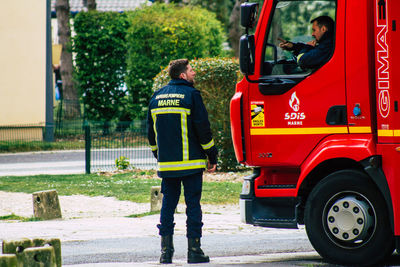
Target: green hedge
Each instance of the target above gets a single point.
(100, 48)
(159, 33)
(216, 79)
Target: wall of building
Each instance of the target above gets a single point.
(23, 63)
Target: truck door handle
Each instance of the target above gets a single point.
(337, 115)
(276, 86)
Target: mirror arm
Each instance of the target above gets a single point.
(251, 81)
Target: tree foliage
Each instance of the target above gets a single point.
(100, 49)
(160, 33)
(216, 79)
(222, 8)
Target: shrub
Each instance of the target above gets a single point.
(100, 49)
(160, 33)
(122, 163)
(216, 79)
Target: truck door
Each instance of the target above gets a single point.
(291, 109)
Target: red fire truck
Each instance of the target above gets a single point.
(325, 141)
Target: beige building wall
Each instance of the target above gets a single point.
(23, 63)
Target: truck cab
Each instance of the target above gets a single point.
(323, 138)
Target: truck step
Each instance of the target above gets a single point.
(289, 223)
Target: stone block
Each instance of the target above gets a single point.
(46, 205)
(156, 198)
(8, 260)
(37, 257)
(19, 246)
(16, 246)
(53, 242)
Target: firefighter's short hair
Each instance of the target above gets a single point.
(176, 67)
(325, 21)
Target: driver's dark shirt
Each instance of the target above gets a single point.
(314, 57)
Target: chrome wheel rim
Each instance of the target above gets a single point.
(349, 219)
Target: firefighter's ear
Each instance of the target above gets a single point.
(183, 76)
(324, 29)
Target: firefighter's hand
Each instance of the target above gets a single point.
(211, 167)
(285, 45)
(312, 43)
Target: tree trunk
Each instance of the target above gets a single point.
(89, 4)
(235, 30)
(70, 95)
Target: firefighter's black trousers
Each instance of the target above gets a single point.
(171, 188)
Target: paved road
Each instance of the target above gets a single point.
(70, 162)
(222, 249)
(282, 248)
(116, 241)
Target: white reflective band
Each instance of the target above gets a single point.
(182, 165)
(153, 148)
(157, 111)
(209, 145)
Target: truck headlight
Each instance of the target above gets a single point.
(246, 187)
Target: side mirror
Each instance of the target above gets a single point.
(248, 14)
(246, 54)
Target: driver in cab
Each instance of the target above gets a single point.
(317, 52)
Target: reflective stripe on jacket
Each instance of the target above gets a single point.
(179, 131)
(312, 57)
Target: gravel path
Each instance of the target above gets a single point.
(72, 207)
(87, 218)
(78, 206)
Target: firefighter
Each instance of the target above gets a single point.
(317, 52)
(180, 138)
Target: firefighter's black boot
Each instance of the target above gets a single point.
(195, 254)
(167, 249)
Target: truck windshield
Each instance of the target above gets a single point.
(291, 23)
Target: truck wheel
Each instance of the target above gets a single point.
(347, 220)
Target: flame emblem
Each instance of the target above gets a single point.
(294, 102)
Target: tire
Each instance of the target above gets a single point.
(347, 221)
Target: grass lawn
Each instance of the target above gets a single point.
(27, 146)
(133, 186)
(13, 217)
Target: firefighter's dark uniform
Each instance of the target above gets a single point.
(309, 56)
(180, 138)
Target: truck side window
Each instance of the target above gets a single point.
(292, 24)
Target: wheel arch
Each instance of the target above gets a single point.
(369, 166)
(322, 170)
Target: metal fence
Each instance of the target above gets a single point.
(24, 138)
(105, 143)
